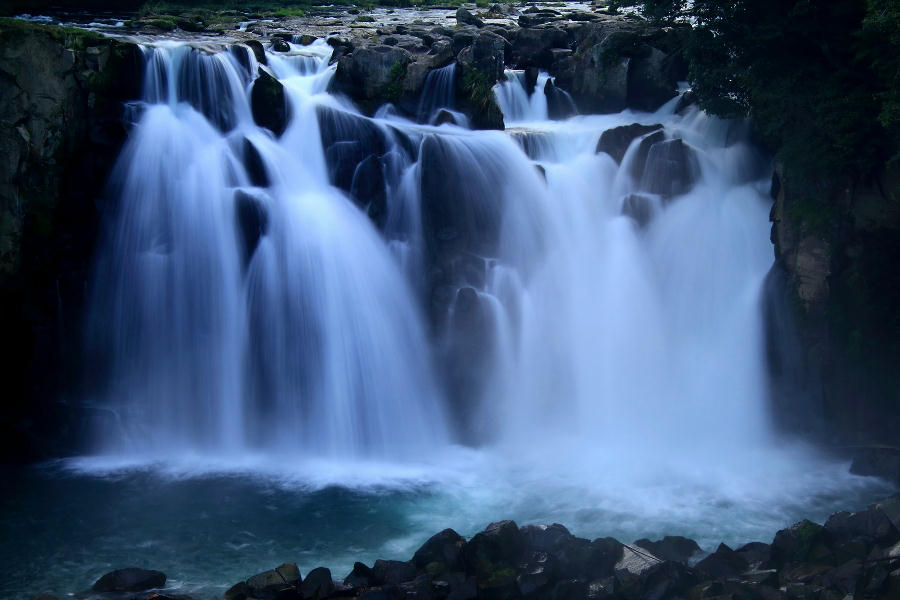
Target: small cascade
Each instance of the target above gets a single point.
(515, 101)
(437, 103)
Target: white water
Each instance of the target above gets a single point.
(607, 364)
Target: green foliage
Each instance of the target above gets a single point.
(394, 87)
(813, 75)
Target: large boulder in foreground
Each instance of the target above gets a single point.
(130, 579)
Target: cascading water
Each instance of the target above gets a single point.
(389, 328)
(301, 334)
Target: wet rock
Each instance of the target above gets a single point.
(253, 163)
(616, 141)
(464, 17)
(393, 572)
(275, 583)
(667, 579)
(268, 102)
(444, 116)
(533, 47)
(486, 54)
(361, 576)
(756, 553)
(373, 75)
(317, 584)
(604, 556)
(871, 525)
(252, 221)
(724, 562)
(672, 547)
(280, 45)
(239, 591)
(130, 579)
(636, 560)
(258, 51)
(672, 168)
(496, 548)
(648, 88)
(802, 542)
(559, 103)
(891, 508)
(440, 553)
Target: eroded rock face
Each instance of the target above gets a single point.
(61, 129)
(372, 74)
(834, 241)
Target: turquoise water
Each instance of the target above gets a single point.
(208, 526)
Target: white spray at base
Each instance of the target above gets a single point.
(617, 356)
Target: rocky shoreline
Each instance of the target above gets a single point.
(853, 555)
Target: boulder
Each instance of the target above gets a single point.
(464, 17)
(559, 103)
(496, 548)
(532, 47)
(802, 542)
(275, 582)
(254, 165)
(486, 54)
(672, 168)
(258, 51)
(756, 553)
(724, 562)
(372, 75)
(268, 102)
(252, 221)
(280, 45)
(440, 553)
(648, 87)
(360, 576)
(393, 572)
(672, 547)
(616, 141)
(871, 525)
(317, 584)
(604, 556)
(130, 579)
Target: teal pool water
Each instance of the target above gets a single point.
(62, 525)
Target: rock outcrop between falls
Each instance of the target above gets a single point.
(853, 555)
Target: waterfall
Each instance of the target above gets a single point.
(235, 316)
(373, 287)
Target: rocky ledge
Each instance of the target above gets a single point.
(853, 555)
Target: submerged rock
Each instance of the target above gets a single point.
(130, 579)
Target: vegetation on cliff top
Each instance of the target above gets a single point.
(813, 75)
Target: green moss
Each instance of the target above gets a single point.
(394, 87)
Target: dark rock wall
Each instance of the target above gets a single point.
(839, 267)
(61, 127)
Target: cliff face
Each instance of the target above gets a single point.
(61, 128)
(840, 267)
